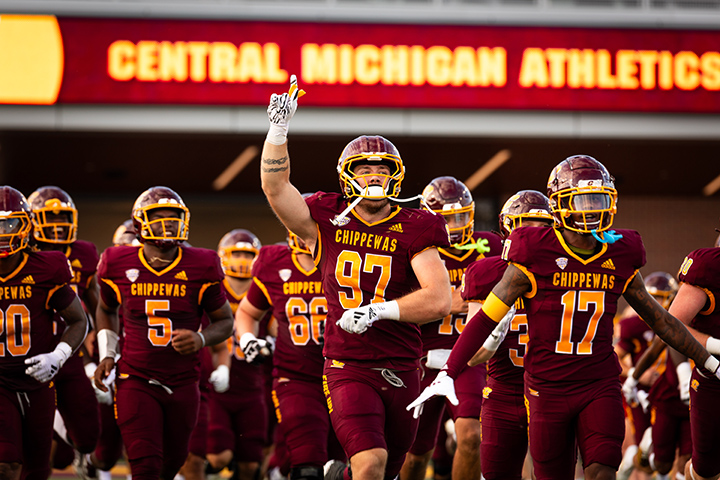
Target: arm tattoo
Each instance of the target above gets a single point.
(282, 162)
(667, 327)
(513, 284)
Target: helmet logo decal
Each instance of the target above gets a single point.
(132, 274)
(561, 262)
(285, 274)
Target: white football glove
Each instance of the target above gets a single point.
(106, 398)
(220, 378)
(255, 349)
(498, 334)
(443, 385)
(271, 341)
(280, 111)
(629, 388)
(684, 374)
(44, 367)
(358, 320)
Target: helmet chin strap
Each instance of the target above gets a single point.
(373, 191)
(608, 236)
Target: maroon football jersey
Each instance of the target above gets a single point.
(365, 263)
(444, 333)
(83, 258)
(701, 268)
(507, 362)
(299, 306)
(635, 336)
(29, 297)
(573, 301)
(154, 303)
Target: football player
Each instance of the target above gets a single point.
(382, 277)
(695, 305)
(504, 419)
(450, 198)
(671, 424)
(286, 279)
(163, 289)
(238, 416)
(571, 278)
(109, 447)
(36, 288)
(55, 221)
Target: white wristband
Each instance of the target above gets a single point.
(712, 364)
(202, 337)
(712, 345)
(245, 338)
(277, 134)
(107, 343)
(387, 310)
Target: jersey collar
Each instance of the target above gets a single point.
(164, 270)
(17, 270)
(392, 214)
(570, 252)
(300, 268)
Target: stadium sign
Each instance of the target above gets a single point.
(45, 60)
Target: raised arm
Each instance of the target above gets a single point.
(285, 200)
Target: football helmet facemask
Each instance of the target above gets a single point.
(450, 198)
(15, 221)
(55, 216)
(524, 205)
(582, 194)
(663, 287)
(370, 150)
(238, 240)
(165, 232)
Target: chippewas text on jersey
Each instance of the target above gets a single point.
(15, 292)
(367, 240)
(156, 289)
(294, 288)
(602, 281)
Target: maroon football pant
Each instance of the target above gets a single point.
(304, 421)
(368, 412)
(671, 430)
(468, 388)
(198, 438)
(26, 428)
(77, 405)
(705, 423)
(504, 431)
(109, 446)
(565, 416)
(238, 422)
(639, 419)
(156, 425)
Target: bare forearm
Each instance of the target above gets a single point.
(274, 169)
(424, 305)
(218, 331)
(648, 358)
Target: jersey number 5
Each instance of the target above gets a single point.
(160, 327)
